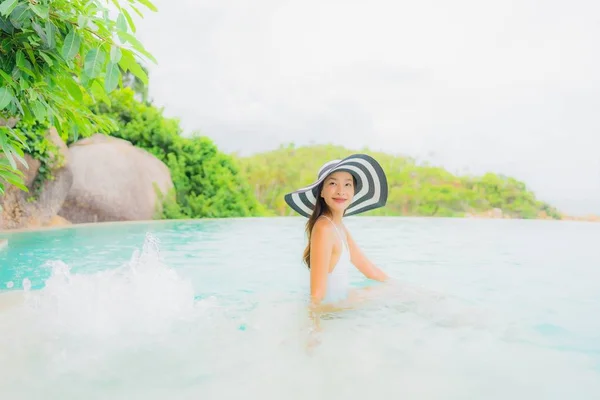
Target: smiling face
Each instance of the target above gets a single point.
(338, 191)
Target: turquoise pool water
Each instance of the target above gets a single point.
(214, 309)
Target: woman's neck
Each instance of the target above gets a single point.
(335, 217)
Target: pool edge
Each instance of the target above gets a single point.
(108, 223)
(159, 221)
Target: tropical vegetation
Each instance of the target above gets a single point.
(208, 182)
(57, 56)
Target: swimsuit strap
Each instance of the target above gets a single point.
(342, 237)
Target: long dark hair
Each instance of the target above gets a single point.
(319, 209)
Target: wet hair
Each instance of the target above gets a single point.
(319, 209)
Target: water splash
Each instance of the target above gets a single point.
(143, 296)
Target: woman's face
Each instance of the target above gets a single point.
(338, 191)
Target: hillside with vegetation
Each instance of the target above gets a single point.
(414, 189)
(209, 183)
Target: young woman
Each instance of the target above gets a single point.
(344, 187)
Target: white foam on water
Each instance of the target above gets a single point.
(139, 332)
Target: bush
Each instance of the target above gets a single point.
(207, 182)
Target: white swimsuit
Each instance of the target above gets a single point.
(338, 280)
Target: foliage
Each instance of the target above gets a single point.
(207, 182)
(55, 57)
(42, 149)
(417, 190)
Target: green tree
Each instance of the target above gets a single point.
(208, 183)
(57, 57)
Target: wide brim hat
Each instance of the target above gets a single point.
(371, 190)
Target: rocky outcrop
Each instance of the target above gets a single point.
(39, 207)
(114, 181)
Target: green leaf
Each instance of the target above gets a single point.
(18, 136)
(126, 59)
(94, 61)
(128, 62)
(71, 45)
(121, 23)
(126, 37)
(148, 4)
(31, 55)
(23, 84)
(50, 34)
(46, 58)
(40, 31)
(134, 8)
(7, 149)
(19, 15)
(7, 79)
(111, 79)
(23, 64)
(139, 72)
(17, 153)
(6, 97)
(6, 26)
(20, 59)
(82, 21)
(8, 6)
(73, 89)
(129, 19)
(99, 92)
(84, 80)
(115, 54)
(41, 10)
(20, 107)
(75, 132)
(14, 177)
(38, 110)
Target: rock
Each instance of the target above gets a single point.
(114, 181)
(3, 243)
(57, 220)
(18, 208)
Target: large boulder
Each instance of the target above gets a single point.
(38, 207)
(114, 181)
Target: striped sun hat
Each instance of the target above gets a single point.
(371, 189)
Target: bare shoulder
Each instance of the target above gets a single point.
(322, 227)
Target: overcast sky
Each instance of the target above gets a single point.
(505, 86)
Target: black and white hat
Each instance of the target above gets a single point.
(371, 189)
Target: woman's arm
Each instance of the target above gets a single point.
(362, 263)
(321, 247)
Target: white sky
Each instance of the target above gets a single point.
(505, 86)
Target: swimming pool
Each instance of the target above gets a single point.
(214, 309)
